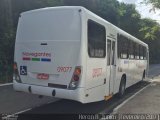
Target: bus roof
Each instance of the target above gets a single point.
(52, 8)
(120, 31)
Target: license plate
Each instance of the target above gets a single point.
(43, 76)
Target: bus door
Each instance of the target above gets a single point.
(111, 64)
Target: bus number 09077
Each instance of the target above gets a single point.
(64, 69)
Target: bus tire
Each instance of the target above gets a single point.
(122, 87)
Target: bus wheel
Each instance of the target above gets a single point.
(144, 75)
(122, 87)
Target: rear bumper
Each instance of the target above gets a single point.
(77, 95)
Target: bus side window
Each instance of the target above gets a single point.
(108, 51)
(96, 40)
(118, 46)
(136, 51)
(113, 52)
(144, 53)
(131, 50)
(141, 52)
(122, 47)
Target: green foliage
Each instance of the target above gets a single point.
(128, 16)
(107, 9)
(122, 15)
(150, 33)
(149, 29)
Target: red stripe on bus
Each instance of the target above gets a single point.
(26, 58)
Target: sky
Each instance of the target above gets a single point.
(144, 10)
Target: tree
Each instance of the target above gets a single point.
(150, 34)
(128, 16)
(149, 29)
(155, 3)
(107, 9)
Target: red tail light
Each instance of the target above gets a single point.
(77, 71)
(75, 78)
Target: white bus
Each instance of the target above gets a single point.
(71, 53)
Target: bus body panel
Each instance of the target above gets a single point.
(95, 70)
(112, 68)
(48, 47)
(60, 66)
(132, 68)
(61, 44)
(77, 95)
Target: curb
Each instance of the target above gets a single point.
(6, 84)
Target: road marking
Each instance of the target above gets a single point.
(124, 102)
(6, 84)
(15, 114)
(22, 111)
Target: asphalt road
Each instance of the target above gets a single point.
(72, 107)
(13, 102)
(147, 101)
(70, 110)
(154, 70)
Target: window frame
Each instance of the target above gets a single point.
(121, 50)
(135, 50)
(103, 40)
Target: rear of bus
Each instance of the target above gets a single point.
(47, 57)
